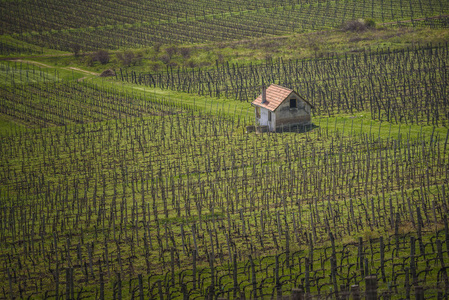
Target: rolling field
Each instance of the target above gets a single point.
(146, 184)
(136, 24)
(408, 85)
(127, 189)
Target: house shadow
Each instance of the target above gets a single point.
(297, 128)
(290, 128)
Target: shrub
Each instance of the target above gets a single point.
(191, 63)
(76, 48)
(165, 58)
(185, 52)
(155, 67)
(171, 51)
(370, 23)
(354, 25)
(128, 58)
(125, 58)
(197, 63)
(102, 56)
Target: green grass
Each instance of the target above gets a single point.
(171, 152)
(349, 125)
(274, 146)
(27, 72)
(254, 50)
(120, 180)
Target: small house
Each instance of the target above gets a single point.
(279, 107)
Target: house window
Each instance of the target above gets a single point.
(258, 112)
(269, 116)
(293, 103)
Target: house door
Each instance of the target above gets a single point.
(270, 121)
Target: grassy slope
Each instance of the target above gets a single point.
(237, 142)
(292, 46)
(236, 109)
(296, 46)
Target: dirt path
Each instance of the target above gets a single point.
(83, 71)
(33, 62)
(82, 78)
(53, 67)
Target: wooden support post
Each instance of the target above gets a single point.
(371, 287)
(119, 286)
(212, 276)
(297, 294)
(306, 280)
(141, 294)
(67, 276)
(355, 292)
(419, 293)
(101, 287)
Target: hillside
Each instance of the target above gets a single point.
(146, 183)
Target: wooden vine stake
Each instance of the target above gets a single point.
(371, 287)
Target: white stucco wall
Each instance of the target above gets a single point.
(263, 120)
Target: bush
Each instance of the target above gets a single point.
(76, 48)
(102, 56)
(128, 58)
(171, 51)
(191, 63)
(370, 23)
(354, 25)
(165, 58)
(155, 66)
(185, 52)
(125, 58)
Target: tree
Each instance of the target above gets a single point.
(185, 52)
(354, 25)
(76, 48)
(102, 56)
(128, 58)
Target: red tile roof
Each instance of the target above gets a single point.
(276, 94)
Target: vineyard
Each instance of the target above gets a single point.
(148, 185)
(15, 74)
(128, 194)
(395, 86)
(9, 48)
(72, 103)
(134, 24)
